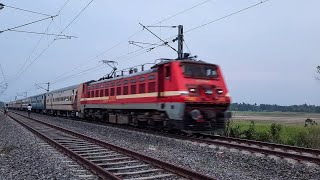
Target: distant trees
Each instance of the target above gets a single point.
(274, 107)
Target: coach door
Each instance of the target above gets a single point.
(160, 80)
(164, 76)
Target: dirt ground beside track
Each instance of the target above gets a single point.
(286, 118)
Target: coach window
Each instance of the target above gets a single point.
(152, 77)
(168, 72)
(92, 93)
(125, 82)
(112, 92)
(112, 84)
(133, 80)
(97, 93)
(141, 79)
(125, 90)
(142, 88)
(118, 90)
(106, 92)
(151, 87)
(101, 92)
(119, 83)
(133, 89)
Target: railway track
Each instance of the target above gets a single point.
(292, 152)
(103, 159)
(284, 151)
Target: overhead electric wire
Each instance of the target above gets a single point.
(54, 39)
(76, 16)
(43, 33)
(9, 29)
(226, 16)
(187, 46)
(181, 12)
(116, 45)
(100, 54)
(84, 71)
(26, 10)
(197, 27)
(148, 48)
(18, 73)
(33, 50)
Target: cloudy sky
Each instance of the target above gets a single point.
(268, 53)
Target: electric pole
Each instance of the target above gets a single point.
(180, 42)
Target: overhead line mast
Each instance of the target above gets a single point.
(179, 39)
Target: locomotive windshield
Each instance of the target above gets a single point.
(199, 70)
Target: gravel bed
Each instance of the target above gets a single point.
(25, 156)
(218, 162)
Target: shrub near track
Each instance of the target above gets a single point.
(307, 135)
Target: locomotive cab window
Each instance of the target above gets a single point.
(202, 71)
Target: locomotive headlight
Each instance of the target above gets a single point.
(196, 114)
(193, 90)
(228, 95)
(219, 91)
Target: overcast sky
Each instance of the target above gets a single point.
(268, 54)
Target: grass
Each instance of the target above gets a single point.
(291, 134)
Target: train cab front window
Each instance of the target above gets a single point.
(205, 71)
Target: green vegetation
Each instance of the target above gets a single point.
(274, 108)
(307, 135)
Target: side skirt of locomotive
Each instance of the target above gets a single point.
(170, 116)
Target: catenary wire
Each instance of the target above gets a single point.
(51, 17)
(54, 39)
(109, 49)
(33, 50)
(26, 10)
(43, 33)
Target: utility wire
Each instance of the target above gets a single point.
(187, 46)
(44, 33)
(58, 13)
(95, 57)
(51, 17)
(141, 51)
(34, 12)
(226, 16)
(149, 48)
(166, 43)
(76, 16)
(116, 45)
(182, 12)
(33, 50)
(54, 39)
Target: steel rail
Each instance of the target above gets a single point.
(239, 144)
(273, 145)
(156, 162)
(84, 162)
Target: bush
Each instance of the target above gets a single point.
(250, 133)
(263, 136)
(309, 138)
(275, 130)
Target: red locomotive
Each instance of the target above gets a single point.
(186, 94)
(180, 94)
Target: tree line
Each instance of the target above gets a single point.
(274, 107)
